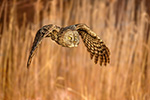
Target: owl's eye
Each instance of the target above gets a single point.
(75, 37)
(69, 38)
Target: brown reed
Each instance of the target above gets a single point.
(58, 73)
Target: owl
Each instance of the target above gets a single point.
(69, 37)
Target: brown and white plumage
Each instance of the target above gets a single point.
(69, 37)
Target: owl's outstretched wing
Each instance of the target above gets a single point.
(94, 44)
(46, 31)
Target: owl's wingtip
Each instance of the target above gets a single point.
(28, 65)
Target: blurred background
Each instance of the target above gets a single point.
(58, 73)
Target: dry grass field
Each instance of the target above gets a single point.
(58, 73)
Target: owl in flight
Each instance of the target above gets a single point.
(69, 37)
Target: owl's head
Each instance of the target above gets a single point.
(70, 38)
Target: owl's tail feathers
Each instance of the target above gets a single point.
(38, 38)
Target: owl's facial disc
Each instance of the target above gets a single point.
(71, 39)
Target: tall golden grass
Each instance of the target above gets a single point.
(58, 73)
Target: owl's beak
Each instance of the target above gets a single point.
(74, 42)
(75, 45)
